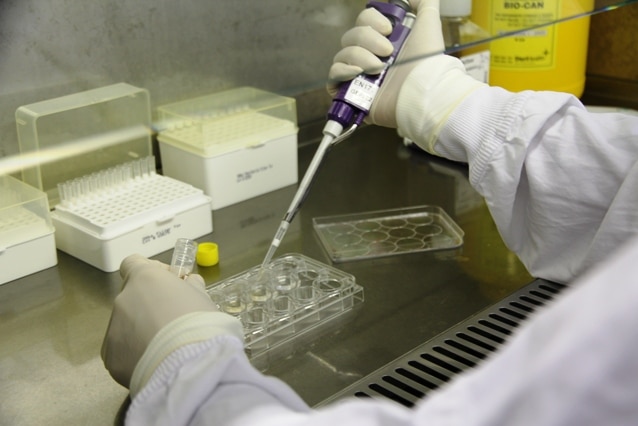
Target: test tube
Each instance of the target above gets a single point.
(184, 255)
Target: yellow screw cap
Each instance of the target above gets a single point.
(207, 254)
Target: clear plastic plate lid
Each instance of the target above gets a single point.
(387, 232)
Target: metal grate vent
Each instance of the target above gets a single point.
(411, 377)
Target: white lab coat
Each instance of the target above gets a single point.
(562, 186)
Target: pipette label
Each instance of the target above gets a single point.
(361, 93)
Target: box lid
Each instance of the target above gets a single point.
(227, 121)
(83, 133)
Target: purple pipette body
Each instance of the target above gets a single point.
(352, 102)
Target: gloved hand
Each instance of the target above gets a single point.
(441, 80)
(152, 297)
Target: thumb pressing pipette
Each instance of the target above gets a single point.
(349, 107)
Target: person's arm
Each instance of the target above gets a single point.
(558, 180)
(561, 182)
(184, 361)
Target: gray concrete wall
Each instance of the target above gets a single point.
(175, 49)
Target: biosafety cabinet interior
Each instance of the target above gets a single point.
(426, 316)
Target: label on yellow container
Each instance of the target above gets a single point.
(534, 48)
(550, 52)
(477, 65)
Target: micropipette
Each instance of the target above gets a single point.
(349, 107)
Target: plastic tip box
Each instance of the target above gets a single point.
(238, 144)
(27, 244)
(87, 131)
(108, 200)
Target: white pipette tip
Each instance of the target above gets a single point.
(279, 235)
(269, 255)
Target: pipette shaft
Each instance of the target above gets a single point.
(331, 132)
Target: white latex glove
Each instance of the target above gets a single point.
(446, 84)
(152, 297)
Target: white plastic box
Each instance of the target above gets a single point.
(235, 144)
(114, 204)
(27, 244)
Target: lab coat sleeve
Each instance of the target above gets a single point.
(213, 382)
(561, 183)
